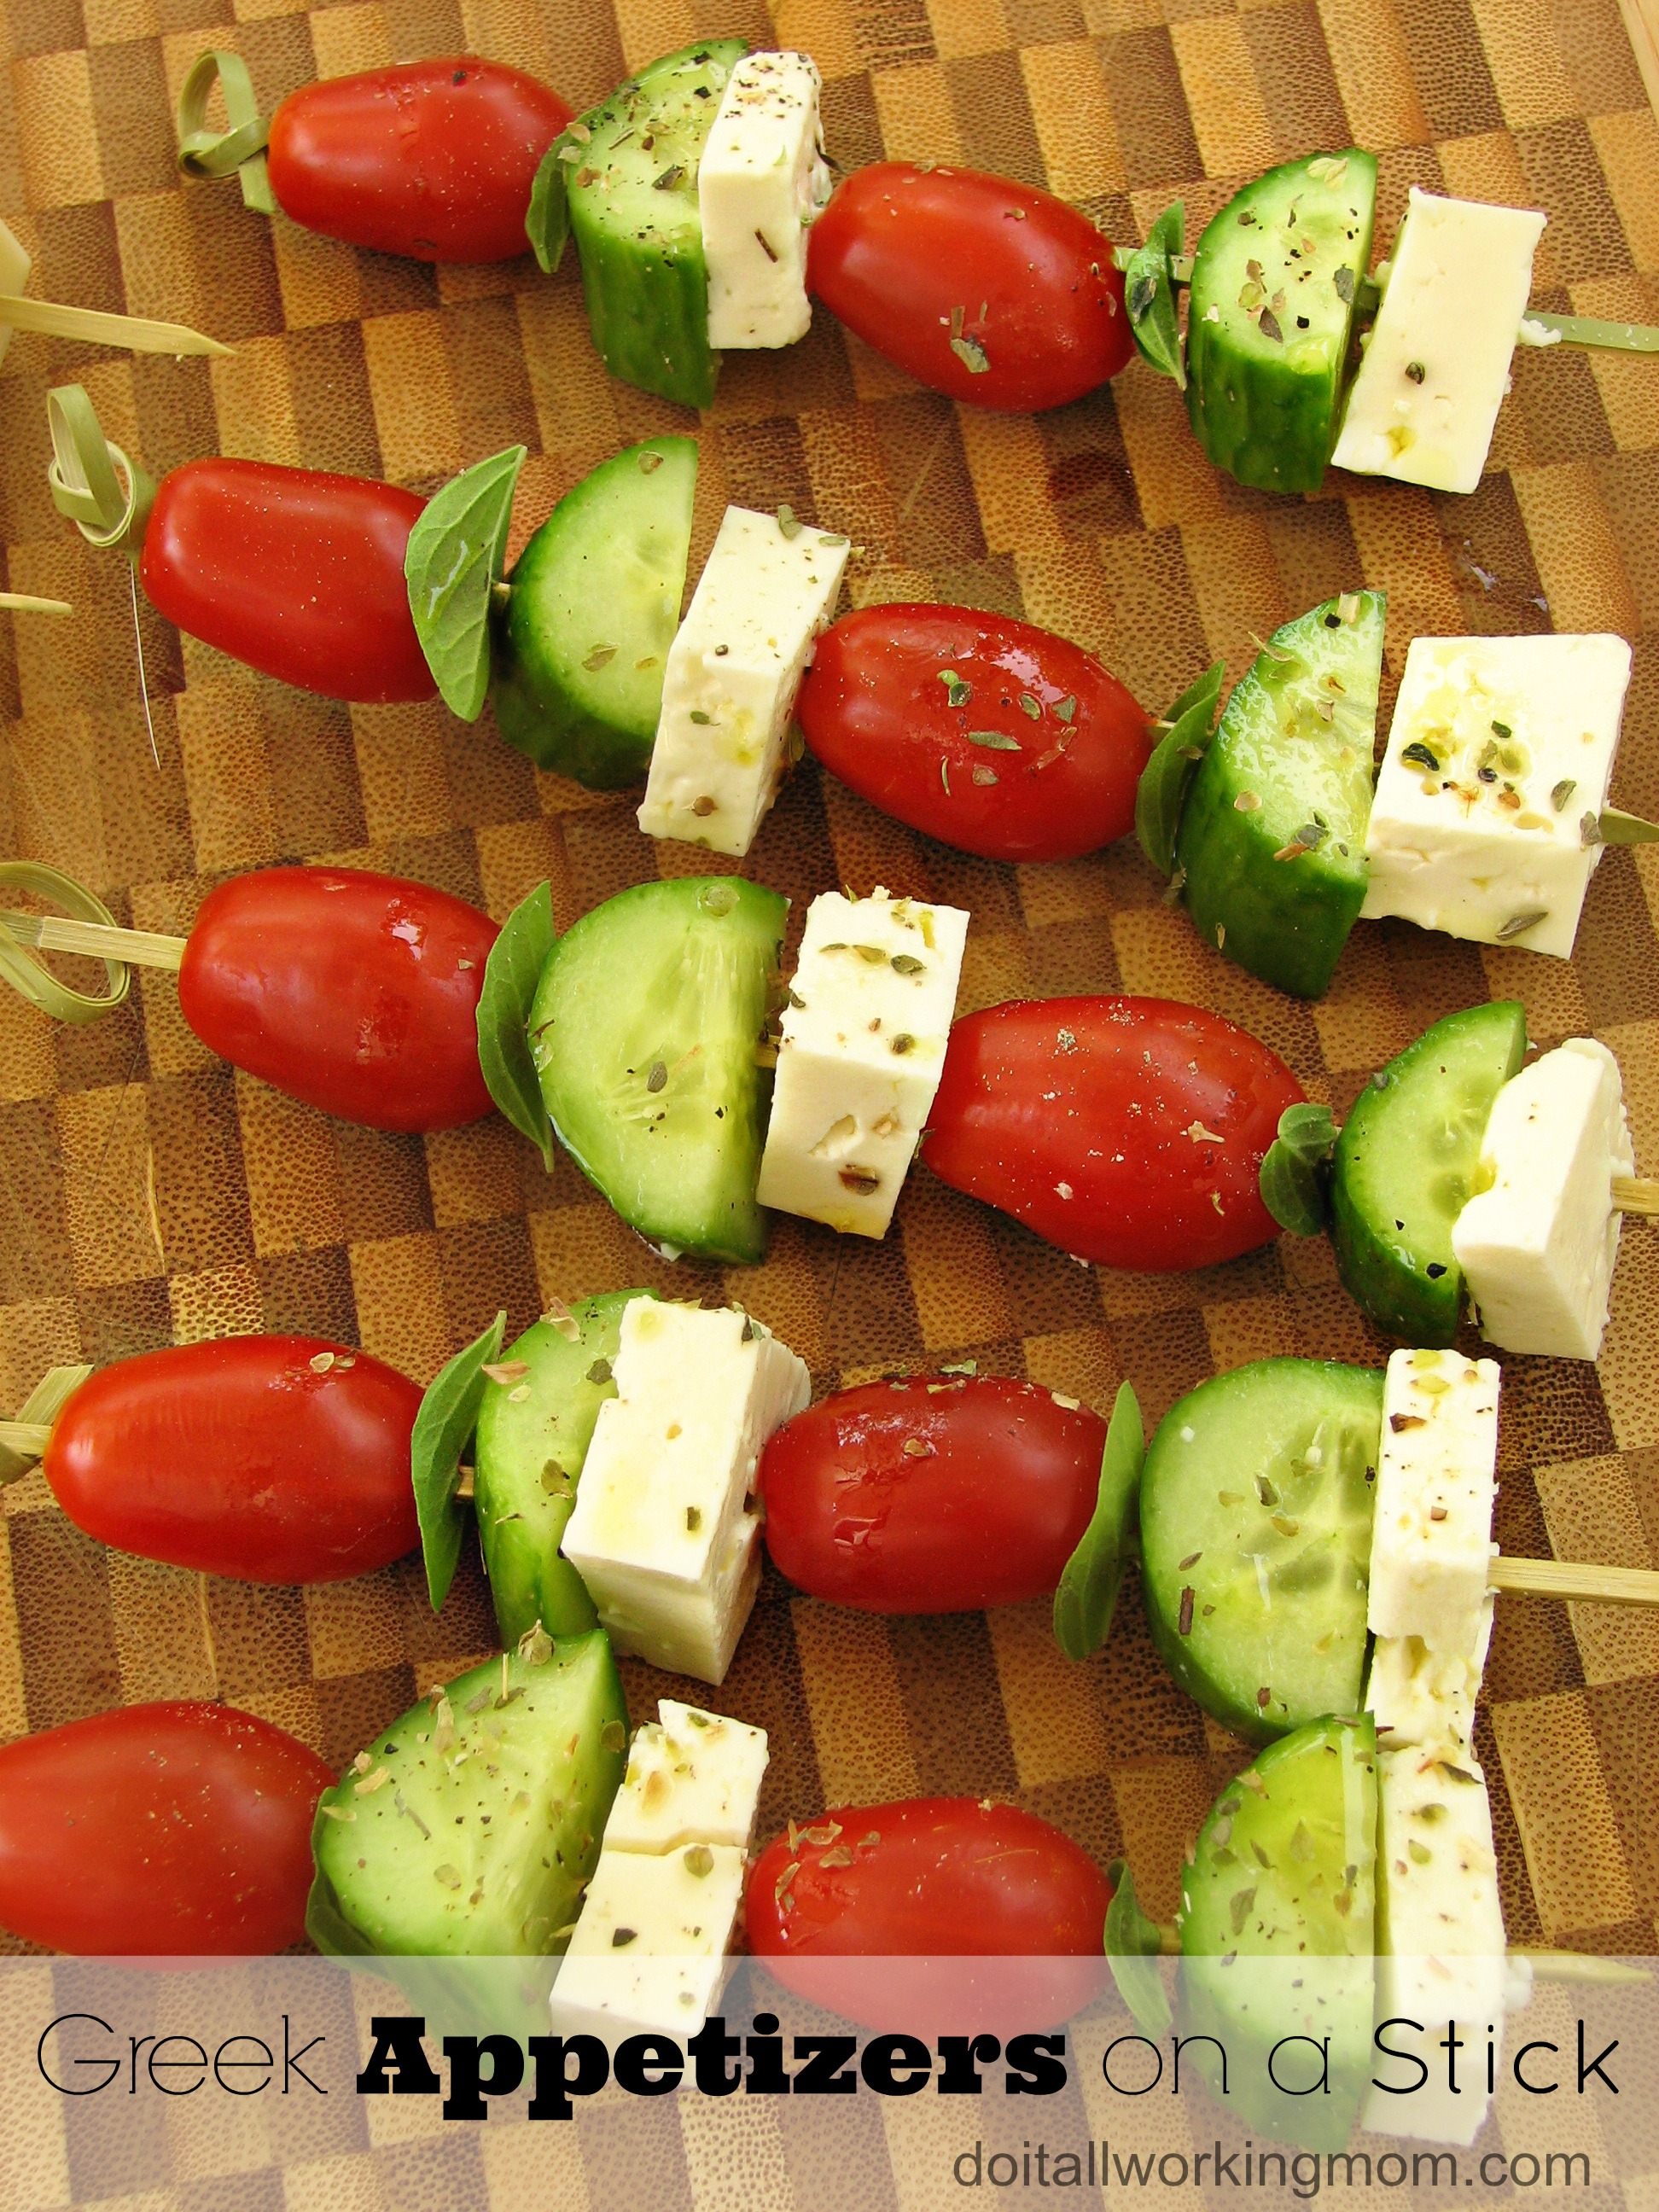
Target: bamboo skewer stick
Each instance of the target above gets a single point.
(30, 1438)
(142, 948)
(1572, 1578)
(1635, 1195)
(26, 603)
(137, 333)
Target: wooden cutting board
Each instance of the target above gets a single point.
(149, 1194)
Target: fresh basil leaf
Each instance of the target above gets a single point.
(1295, 1179)
(455, 553)
(1133, 1942)
(448, 1415)
(1617, 829)
(1149, 292)
(1162, 792)
(547, 220)
(511, 975)
(1089, 1584)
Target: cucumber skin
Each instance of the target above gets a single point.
(576, 1788)
(1249, 2013)
(1385, 1277)
(1275, 430)
(647, 300)
(742, 1241)
(537, 708)
(1243, 1716)
(1285, 921)
(530, 1579)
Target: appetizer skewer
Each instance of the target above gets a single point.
(47, 318)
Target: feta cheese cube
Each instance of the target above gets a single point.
(1497, 764)
(861, 1054)
(648, 1954)
(1437, 363)
(761, 181)
(1427, 1697)
(1440, 1941)
(661, 1531)
(1538, 1241)
(732, 674)
(14, 275)
(693, 1777)
(1436, 1485)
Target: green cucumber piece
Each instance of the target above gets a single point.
(1289, 773)
(1256, 1497)
(1405, 1169)
(634, 215)
(594, 602)
(1284, 1877)
(1270, 316)
(646, 1032)
(529, 1453)
(470, 1827)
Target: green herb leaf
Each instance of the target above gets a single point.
(958, 690)
(1618, 828)
(547, 220)
(1295, 1179)
(1163, 781)
(1133, 1942)
(1089, 1584)
(448, 1415)
(1149, 286)
(993, 741)
(511, 975)
(972, 355)
(455, 553)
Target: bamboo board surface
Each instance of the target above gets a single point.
(147, 1193)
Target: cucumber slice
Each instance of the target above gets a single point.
(1405, 1168)
(594, 602)
(1256, 1537)
(529, 1454)
(646, 1031)
(634, 216)
(1271, 838)
(1271, 315)
(469, 1828)
(1284, 1875)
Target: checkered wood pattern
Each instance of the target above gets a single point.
(148, 1194)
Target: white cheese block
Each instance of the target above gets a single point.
(692, 1777)
(649, 1955)
(761, 181)
(1500, 748)
(1538, 1241)
(14, 275)
(732, 674)
(1427, 1697)
(1437, 363)
(661, 1532)
(861, 1054)
(1436, 1485)
(1440, 1942)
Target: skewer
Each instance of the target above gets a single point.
(1571, 1578)
(26, 603)
(1635, 1195)
(139, 948)
(47, 318)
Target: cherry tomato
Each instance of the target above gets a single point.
(988, 290)
(1129, 1132)
(356, 993)
(271, 1459)
(298, 574)
(931, 1879)
(161, 1829)
(433, 159)
(900, 703)
(931, 1496)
